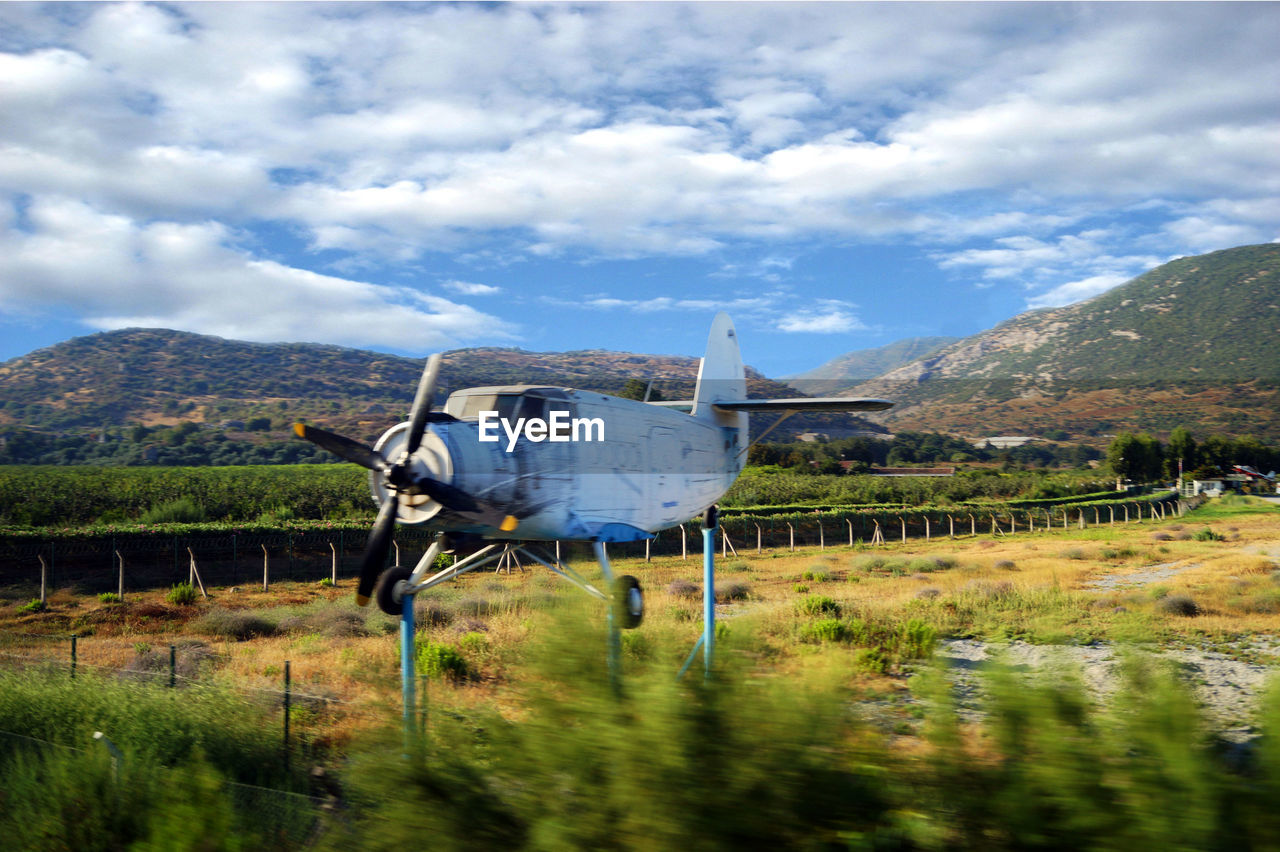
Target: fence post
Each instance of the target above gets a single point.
(1031, 522)
(951, 527)
(758, 536)
(44, 577)
(793, 536)
(904, 528)
(120, 579)
(1082, 519)
(1013, 524)
(1126, 512)
(973, 525)
(287, 701)
(646, 549)
(333, 571)
(822, 537)
(264, 567)
(684, 544)
(850, 523)
(927, 535)
(196, 573)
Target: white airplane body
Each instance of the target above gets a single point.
(535, 463)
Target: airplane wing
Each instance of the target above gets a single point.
(780, 406)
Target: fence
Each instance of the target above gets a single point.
(93, 565)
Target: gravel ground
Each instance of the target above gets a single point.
(1228, 689)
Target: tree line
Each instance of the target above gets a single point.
(1143, 458)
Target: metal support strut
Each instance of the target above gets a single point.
(707, 641)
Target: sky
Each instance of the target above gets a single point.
(418, 177)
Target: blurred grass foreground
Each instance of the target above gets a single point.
(745, 759)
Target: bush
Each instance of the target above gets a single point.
(824, 630)
(1178, 605)
(816, 574)
(442, 661)
(235, 624)
(183, 594)
(1207, 534)
(733, 592)
(684, 589)
(35, 605)
(183, 510)
(916, 640)
(109, 598)
(816, 605)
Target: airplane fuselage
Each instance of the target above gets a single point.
(572, 464)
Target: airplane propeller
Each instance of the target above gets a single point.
(401, 479)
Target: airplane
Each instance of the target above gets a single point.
(500, 468)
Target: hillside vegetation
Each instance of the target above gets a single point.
(1195, 342)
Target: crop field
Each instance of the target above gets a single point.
(1098, 688)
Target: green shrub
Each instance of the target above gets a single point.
(109, 598)
(873, 660)
(916, 640)
(1207, 534)
(183, 510)
(34, 605)
(182, 594)
(818, 605)
(442, 661)
(817, 574)
(824, 630)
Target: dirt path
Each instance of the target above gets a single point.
(1228, 689)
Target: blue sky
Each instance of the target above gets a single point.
(420, 177)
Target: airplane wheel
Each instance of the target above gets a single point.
(389, 600)
(628, 602)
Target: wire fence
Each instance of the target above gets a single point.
(95, 565)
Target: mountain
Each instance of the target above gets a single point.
(1194, 342)
(157, 377)
(863, 364)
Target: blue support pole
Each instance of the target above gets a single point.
(407, 678)
(708, 597)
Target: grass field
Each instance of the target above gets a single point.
(840, 639)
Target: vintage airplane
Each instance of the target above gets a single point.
(501, 467)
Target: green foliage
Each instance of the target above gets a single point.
(916, 640)
(34, 605)
(109, 598)
(1208, 534)
(824, 630)
(182, 594)
(818, 605)
(238, 624)
(442, 661)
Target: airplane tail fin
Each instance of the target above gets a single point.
(721, 376)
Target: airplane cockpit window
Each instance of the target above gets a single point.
(509, 406)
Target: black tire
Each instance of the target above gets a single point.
(385, 592)
(628, 602)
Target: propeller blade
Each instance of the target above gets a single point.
(342, 446)
(375, 552)
(453, 499)
(422, 403)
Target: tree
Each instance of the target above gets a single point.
(1182, 447)
(636, 388)
(1135, 457)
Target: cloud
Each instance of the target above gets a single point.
(113, 272)
(1012, 145)
(817, 321)
(468, 288)
(1076, 291)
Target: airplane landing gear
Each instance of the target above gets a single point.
(628, 602)
(389, 598)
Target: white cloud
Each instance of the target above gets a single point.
(469, 288)
(1076, 291)
(820, 321)
(1012, 141)
(113, 272)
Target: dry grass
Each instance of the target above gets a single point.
(1037, 586)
